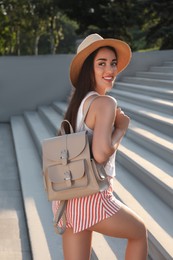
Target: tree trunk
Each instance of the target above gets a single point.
(37, 38)
(18, 40)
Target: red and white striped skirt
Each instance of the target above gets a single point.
(84, 212)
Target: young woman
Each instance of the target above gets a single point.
(92, 73)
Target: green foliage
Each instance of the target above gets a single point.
(31, 27)
(69, 35)
(158, 23)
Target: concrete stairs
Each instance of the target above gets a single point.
(144, 162)
(14, 242)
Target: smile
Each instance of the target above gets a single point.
(108, 78)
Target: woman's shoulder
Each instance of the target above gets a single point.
(104, 101)
(101, 105)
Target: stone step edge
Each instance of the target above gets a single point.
(161, 247)
(37, 208)
(156, 104)
(161, 69)
(147, 176)
(152, 91)
(121, 84)
(145, 98)
(155, 75)
(151, 142)
(147, 117)
(159, 82)
(168, 63)
(50, 117)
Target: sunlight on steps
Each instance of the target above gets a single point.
(144, 180)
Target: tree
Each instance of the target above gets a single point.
(109, 18)
(85, 12)
(32, 27)
(11, 24)
(68, 43)
(158, 23)
(45, 23)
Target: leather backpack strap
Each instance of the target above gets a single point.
(87, 109)
(60, 214)
(62, 130)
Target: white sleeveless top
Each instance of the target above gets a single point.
(110, 165)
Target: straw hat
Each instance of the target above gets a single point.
(90, 44)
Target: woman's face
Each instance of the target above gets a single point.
(105, 70)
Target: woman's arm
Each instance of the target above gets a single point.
(121, 125)
(110, 124)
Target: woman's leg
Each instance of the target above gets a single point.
(77, 246)
(126, 224)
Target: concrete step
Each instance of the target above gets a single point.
(162, 69)
(157, 120)
(60, 107)
(45, 244)
(14, 241)
(156, 214)
(145, 90)
(154, 172)
(156, 104)
(160, 83)
(155, 75)
(39, 131)
(51, 117)
(115, 246)
(168, 63)
(152, 140)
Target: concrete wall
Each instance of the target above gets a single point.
(142, 61)
(29, 81)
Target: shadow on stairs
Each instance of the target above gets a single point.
(144, 178)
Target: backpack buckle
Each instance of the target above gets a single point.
(68, 178)
(64, 157)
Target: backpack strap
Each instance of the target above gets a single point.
(87, 109)
(62, 129)
(60, 214)
(63, 203)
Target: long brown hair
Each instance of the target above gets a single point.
(85, 84)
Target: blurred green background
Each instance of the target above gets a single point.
(32, 27)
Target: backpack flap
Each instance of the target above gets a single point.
(57, 148)
(67, 166)
(67, 176)
(76, 144)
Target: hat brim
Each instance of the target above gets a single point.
(122, 49)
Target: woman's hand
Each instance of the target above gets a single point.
(121, 121)
(121, 124)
